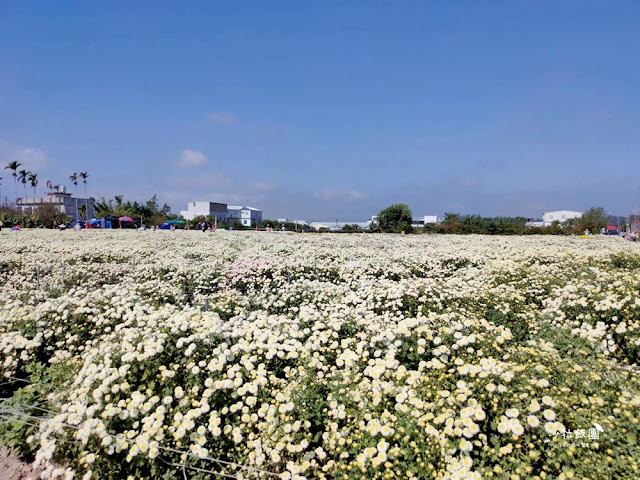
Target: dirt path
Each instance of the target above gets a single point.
(12, 468)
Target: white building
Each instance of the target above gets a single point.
(290, 220)
(420, 222)
(63, 201)
(559, 216)
(416, 222)
(245, 215)
(337, 226)
(534, 223)
(204, 209)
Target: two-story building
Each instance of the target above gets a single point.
(223, 213)
(247, 216)
(559, 216)
(63, 201)
(420, 222)
(205, 209)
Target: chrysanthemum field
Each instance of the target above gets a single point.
(177, 355)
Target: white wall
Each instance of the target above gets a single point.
(422, 221)
(559, 216)
(197, 209)
(246, 216)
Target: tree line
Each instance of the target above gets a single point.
(397, 219)
(147, 213)
(49, 216)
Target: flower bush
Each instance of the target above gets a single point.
(369, 356)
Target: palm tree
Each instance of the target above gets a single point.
(23, 176)
(74, 179)
(33, 179)
(84, 176)
(0, 191)
(14, 166)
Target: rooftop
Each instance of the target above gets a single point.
(242, 207)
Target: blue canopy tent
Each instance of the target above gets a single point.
(105, 222)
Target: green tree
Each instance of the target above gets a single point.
(571, 223)
(149, 212)
(451, 223)
(33, 180)
(351, 228)
(152, 204)
(593, 220)
(396, 218)
(74, 179)
(166, 210)
(84, 176)
(50, 216)
(14, 167)
(473, 224)
(104, 207)
(23, 176)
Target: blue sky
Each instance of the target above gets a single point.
(329, 109)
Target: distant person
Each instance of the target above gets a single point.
(283, 229)
(204, 227)
(1, 225)
(62, 227)
(257, 228)
(77, 227)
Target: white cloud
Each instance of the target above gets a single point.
(328, 194)
(30, 159)
(261, 187)
(222, 118)
(214, 187)
(191, 158)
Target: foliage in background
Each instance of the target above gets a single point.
(468, 224)
(149, 212)
(395, 218)
(593, 220)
